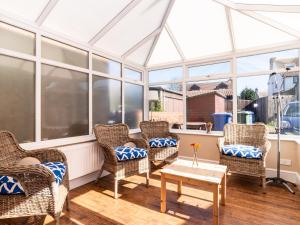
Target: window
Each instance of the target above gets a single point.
(166, 103)
(170, 74)
(209, 101)
(256, 102)
(16, 39)
(17, 99)
(206, 70)
(107, 107)
(134, 105)
(269, 61)
(132, 74)
(60, 52)
(107, 66)
(64, 103)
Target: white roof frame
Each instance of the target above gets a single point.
(45, 12)
(268, 8)
(130, 6)
(175, 42)
(230, 27)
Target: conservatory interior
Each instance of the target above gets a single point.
(149, 112)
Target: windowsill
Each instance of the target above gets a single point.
(65, 141)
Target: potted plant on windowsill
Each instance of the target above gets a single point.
(209, 126)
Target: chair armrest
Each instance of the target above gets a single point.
(265, 148)
(173, 135)
(140, 143)
(144, 136)
(109, 153)
(48, 155)
(32, 178)
(220, 144)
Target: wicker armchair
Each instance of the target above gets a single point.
(253, 135)
(154, 129)
(42, 195)
(110, 136)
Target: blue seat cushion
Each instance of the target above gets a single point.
(124, 153)
(242, 151)
(9, 185)
(162, 142)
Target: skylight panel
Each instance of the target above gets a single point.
(140, 55)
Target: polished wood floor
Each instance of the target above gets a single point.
(92, 204)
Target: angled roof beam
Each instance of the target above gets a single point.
(268, 8)
(114, 21)
(140, 43)
(45, 12)
(175, 42)
(230, 27)
(163, 22)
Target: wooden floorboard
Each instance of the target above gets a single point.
(246, 204)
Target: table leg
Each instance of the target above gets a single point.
(179, 187)
(216, 205)
(223, 190)
(163, 194)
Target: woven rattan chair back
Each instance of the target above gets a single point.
(112, 135)
(10, 153)
(255, 134)
(154, 129)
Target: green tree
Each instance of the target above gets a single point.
(248, 94)
(156, 106)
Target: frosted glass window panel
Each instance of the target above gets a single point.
(269, 2)
(200, 27)
(107, 106)
(107, 66)
(166, 103)
(134, 105)
(256, 104)
(210, 69)
(165, 50)
(207, 100)
(140, 55)
(60, 52)
(270, 61)
(136, 25)
(28, 10)
(65, 98)
(288, 19)
(94, 15)
(16, 39)
(245, 27)
(17, 97)
(169, 74)
(132, 74)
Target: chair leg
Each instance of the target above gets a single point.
(99, 174)
(263, 184)
(57, 218)
(116, 189)
(68, 203)
(147, 178)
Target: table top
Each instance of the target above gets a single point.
(209, 172)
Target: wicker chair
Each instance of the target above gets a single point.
(154, 129)
(253, 135)
(42, 195)
(110, 136)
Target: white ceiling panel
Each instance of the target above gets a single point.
(269, 2)
(83, 19)
(140, 55)
(136, 25)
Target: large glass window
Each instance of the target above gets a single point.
(269, 61)
(210, 69)
(64, 103)
(257, 100)
(16, 39)
(170, 74)
(166, 103)
(134, 105)
(132, 74)
(60, 52)
(17, 85)
(107, 107)
(107, 66)
(209, 101)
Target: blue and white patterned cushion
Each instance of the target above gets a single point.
(124, 153)
(9, 185)
(162, 142)
(242, 151)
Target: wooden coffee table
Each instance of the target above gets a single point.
(208, 175)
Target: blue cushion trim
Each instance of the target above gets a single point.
(242, 151)
(9, 185)
(162, 142)
(124, 153)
